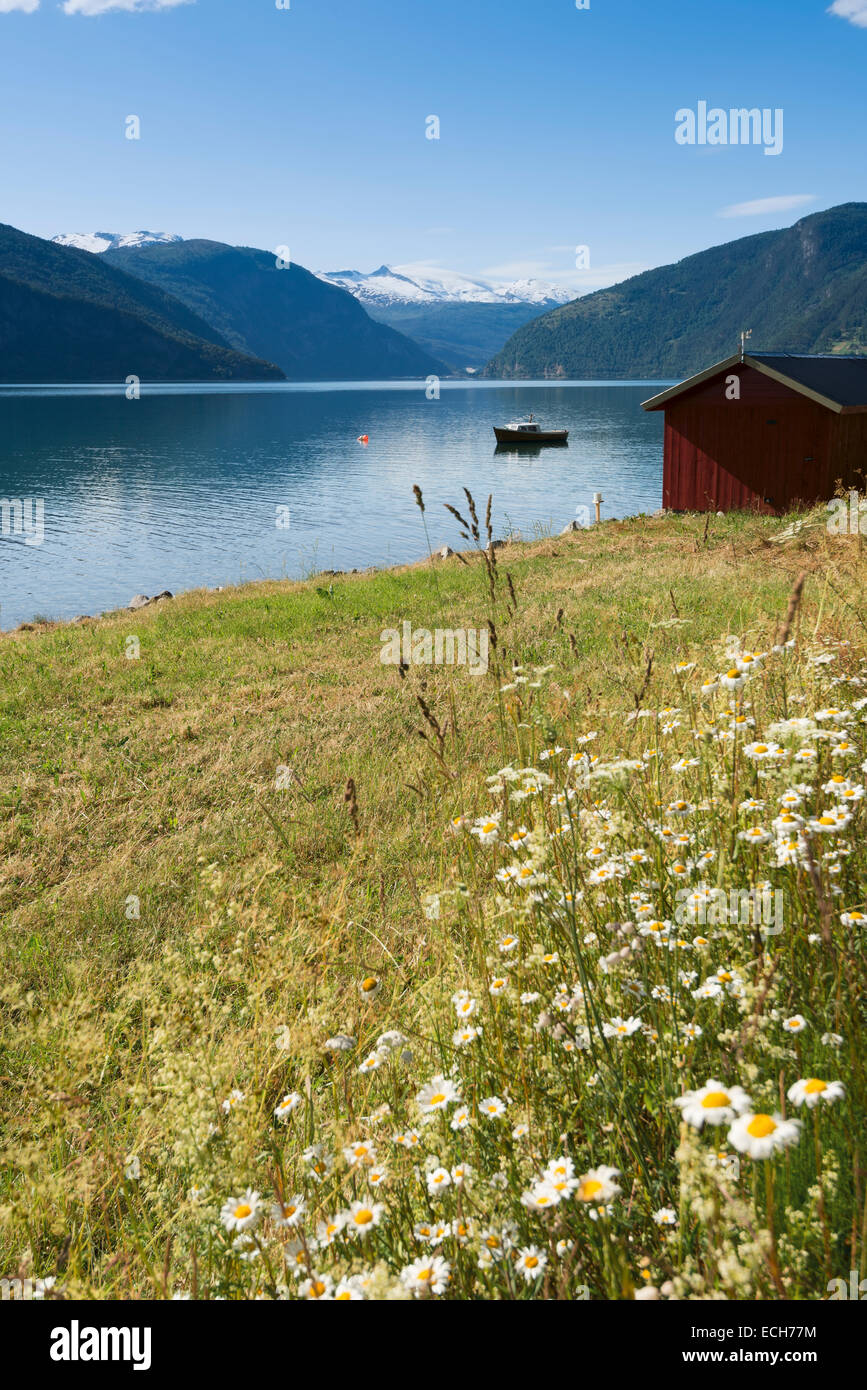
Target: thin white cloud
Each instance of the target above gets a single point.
(597, 277)
(131, 6)
(594, 277)
(763, 207)
(517, 270)
(853, 10)
(28, 6)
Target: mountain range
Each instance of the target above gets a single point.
(802, 289)
(419, 284)
(160, 308)
(458, 318)
(314, 331)
(156, 306)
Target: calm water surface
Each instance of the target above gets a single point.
(182, 487)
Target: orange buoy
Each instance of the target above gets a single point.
(363, 439)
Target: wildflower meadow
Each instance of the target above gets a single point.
(613, 1051)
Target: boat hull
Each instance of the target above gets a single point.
(504, 436)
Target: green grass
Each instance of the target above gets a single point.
(261, 910)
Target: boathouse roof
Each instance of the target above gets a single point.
(832, 380)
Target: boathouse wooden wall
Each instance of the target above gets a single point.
(766, 451)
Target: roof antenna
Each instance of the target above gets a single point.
(745, 333)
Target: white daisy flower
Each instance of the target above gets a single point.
(436, 1095)
(796, 1024)
(287, 1106)
(598, 1185)
(531, 1262)
(438, 1180)
(541, 1197)
(810, 1090)
(492, 1107)
(359, 1152)
(428, 1275)
(665, 1216)
(621, 1028)
(713, 1104)
(361, 1217)
(761, 1136)
(241, 1213)
(289, 1213)
(487, 831)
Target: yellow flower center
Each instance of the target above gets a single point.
(760, 748)
(243, 1211)
(760, 1126)
(363, 1217)
(589, 1188)
(714, 1100)
(368, 984)
(317, 1289)
(425, 1275)
(489, 826)
(814, 1085)
(437, 1099)
(531, 1261)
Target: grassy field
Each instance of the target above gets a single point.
(256, 883)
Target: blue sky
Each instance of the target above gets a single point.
(306, 126)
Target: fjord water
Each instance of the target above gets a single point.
(185, 486)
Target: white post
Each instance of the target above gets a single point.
(598, 499)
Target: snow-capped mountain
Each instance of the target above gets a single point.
(108, 241)
(419, 284)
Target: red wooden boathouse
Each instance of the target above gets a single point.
(764, 431)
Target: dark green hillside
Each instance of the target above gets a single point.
(314, 331)
(802, 289)
(66, 315)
